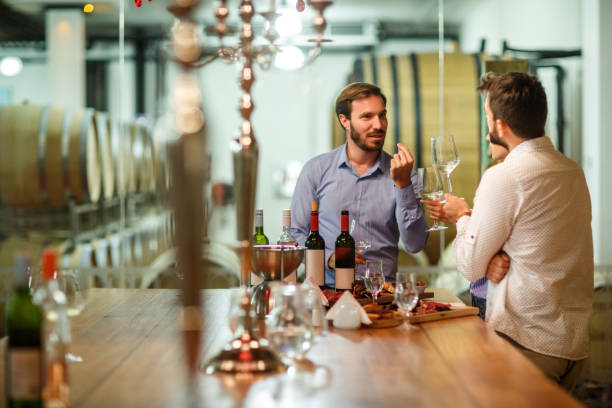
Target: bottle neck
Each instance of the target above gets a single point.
(259, 220)
(314, 221)
(259, 230)
(344, 222)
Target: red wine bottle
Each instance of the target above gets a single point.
(345, 255)
(315, 250)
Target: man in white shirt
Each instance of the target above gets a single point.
(535, 207)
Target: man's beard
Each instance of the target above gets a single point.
(360, 140)
(494, 139)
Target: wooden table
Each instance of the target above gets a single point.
(133, 357)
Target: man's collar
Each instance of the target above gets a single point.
(532, 145)
(380, 164)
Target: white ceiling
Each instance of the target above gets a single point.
(424, 12)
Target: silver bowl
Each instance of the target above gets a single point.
(267, 263)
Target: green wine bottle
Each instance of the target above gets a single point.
(259, 238)
(24, 359)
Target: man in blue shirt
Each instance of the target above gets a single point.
(360, 177)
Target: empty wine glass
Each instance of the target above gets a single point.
(289, 328)
(68, 282)
(374, 277)
(361, 232)
(445, 156)
(432, 189)
(406, 293)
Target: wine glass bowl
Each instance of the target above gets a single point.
(445, 156)
(406, 292)
(374, 277)
(432, 189)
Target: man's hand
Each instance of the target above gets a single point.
(401, 166)
(436, 210)
(498, 267)
(359, 260)
(454, 208)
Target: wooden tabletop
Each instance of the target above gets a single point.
(132, 349)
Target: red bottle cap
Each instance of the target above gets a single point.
(49, 264)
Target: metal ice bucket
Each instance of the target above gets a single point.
(271, 263)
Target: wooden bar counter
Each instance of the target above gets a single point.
(132, 353)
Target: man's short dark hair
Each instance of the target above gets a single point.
(354, 91)
(519, 100)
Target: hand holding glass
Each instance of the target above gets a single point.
(431, 183)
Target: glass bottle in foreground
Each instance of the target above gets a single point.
(23, 327)
(286, 237)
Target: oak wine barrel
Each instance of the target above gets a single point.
(107, 166)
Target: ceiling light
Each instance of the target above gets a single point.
(10, 66)
(288, 22)
(88, 8)
(289, 57)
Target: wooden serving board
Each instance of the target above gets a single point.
(448, 314)
(382, 299)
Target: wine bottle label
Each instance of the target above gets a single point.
(315, 265)
(24, 374)
(344, 278)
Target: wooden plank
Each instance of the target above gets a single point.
(448, 314)
(492, 371)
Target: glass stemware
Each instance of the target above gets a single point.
(406, 293)
(374, 277)
(445, 156)
(68, 282)
(289, 328)
(361, 232)
(432, 189)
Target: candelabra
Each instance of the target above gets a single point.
(247, 353)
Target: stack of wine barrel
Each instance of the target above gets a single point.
(57, 162)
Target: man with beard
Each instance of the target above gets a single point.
(535, 206)
(360, 177)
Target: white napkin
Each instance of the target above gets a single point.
(309, 282)
(347, 300)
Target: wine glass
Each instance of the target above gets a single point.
(361, 232)
(374, 277)
(406, 293)
(445, 156)
(432, 189)
(289, 328)
(68, 282)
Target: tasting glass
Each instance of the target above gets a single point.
(445, 156)
(432, 189)
(290, 326)
(406, 293)
(361, 232)
(374, 277)
(69, 282)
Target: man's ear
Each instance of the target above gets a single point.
(344, 121)
(502, 128)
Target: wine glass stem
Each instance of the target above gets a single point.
(376, 298)
(450, 186)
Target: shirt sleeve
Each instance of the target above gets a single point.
(411, 216)
(301, 204)
(481, 235)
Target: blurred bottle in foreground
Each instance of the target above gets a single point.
(55, 335)
(23, 327)
(345, 255)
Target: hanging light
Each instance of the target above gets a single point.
(288, 22)
(289, 57)
(10, 66)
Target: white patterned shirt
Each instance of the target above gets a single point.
(536, 207)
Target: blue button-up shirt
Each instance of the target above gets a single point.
(331, 180)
